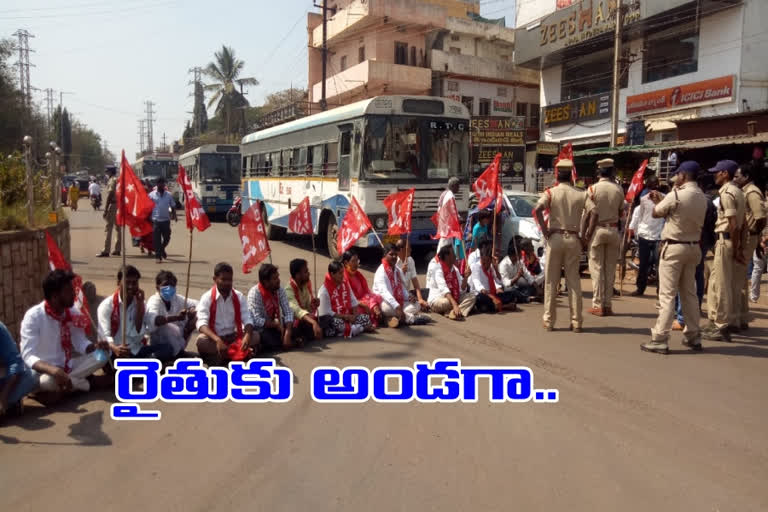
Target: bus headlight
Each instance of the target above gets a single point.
(380, 223)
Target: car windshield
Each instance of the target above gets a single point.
(218, 168)
(523, 205)
(415, 149)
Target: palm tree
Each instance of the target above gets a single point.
(225, 71)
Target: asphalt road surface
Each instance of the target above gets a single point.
(632, 430)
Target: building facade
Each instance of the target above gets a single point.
(681, 60)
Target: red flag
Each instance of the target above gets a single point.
(487, 184)
(133, 204)
(447, 221)
(400, 209)
(567, 154)
(637, 182)
(300, 219)
(56, 261)
(196, 216)
(253, 238)
(355, 224)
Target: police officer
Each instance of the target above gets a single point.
(684, 210)
(605, 202)
(755, 223)
(110, 212)
(724, 287)
(565, 204)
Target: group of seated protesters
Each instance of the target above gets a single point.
(56, 355)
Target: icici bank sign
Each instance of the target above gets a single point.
(707, 91)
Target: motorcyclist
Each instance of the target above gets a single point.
(94, 191)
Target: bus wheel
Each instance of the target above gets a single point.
(273, 232)
(331, 234)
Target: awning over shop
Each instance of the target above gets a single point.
(760, 138)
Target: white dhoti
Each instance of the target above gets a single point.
(170, 334)
(82, 367)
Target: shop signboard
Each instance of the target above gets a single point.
(589, 108)
(505, 135)
(699, 93)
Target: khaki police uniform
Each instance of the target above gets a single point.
(684, 210)
(565, 204)
(606, 200)
(755, 208)
(110, 216)
(724, 288)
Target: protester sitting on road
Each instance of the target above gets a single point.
(170, 317)
(16, 380)
(369, 302)
(474, 256)
(336, 311)
(389, 282)
(136, 329)
(54, 344)
(271, 313)
(515, 276)
(224, 321)
(535, 277)
(449, 293)
(408, 266)
(485, 282)
(303, 304)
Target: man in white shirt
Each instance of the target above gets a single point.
(485, 282)
(648, 230)
(449, 293)
(515, 277)
(136, 329)
(223, 318)
(170, 317)
(54, 344)
(162, 214)
(408, 266)
(389, 282)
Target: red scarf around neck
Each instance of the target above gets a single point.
(341, 301)
(64, 320)
(114, 318)
(235, 305)
(271, 304)
(451, 279)
(491, 275)
(296, 293)
(394, 281)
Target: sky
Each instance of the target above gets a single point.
(111, 56)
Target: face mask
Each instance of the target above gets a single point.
(168, 292)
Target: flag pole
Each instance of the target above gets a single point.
(264, 227)
(124, 249)
(624, 243)
(189, 267)
(314, 250)
(493, 249)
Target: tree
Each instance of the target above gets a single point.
(282, 98)
(225, 72)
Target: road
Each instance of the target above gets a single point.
(632, 430)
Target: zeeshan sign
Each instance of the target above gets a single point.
(593, 18)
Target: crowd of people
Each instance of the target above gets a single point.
(675, 231)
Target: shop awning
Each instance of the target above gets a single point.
(760, 138)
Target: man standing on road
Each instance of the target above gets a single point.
(605, 202)
(684, 210)
(162, 214)
(648, 229)
(449, 194)
(449, 294)
(724, 286)
(110, 214)
(755, 223)
(566, 205)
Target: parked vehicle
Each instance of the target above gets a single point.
(235, 213)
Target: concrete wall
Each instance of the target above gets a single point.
(531, 10)
(720, 54)
(754, 55)
(488, 90)
(23, 265)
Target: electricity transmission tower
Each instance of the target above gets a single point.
(25, 86)
(149, 121)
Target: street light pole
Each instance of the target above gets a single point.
(616, 77)
(30, 192)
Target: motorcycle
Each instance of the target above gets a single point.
(96, 202)
(235, 213)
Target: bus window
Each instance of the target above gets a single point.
(297, 164)
(244, 167)
(345, 157)
(308, 152)
(331, 158)
(275, 167)
(318, 159)
(286, 163)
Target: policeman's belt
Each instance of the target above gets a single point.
(678, 242)
(724, 236)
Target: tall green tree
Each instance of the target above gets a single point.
(227, 85)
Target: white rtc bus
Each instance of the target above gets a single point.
(157, 165)
(215, 174)
(369, 150)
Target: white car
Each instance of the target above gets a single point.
(521, 221)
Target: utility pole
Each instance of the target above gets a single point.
(149, 121)
(323, 101)
(141, 135)
(49, 108)
(616, 77)
(165, 145)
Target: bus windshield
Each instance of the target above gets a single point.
(415, 149)
(152, 169)
(219, 168)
